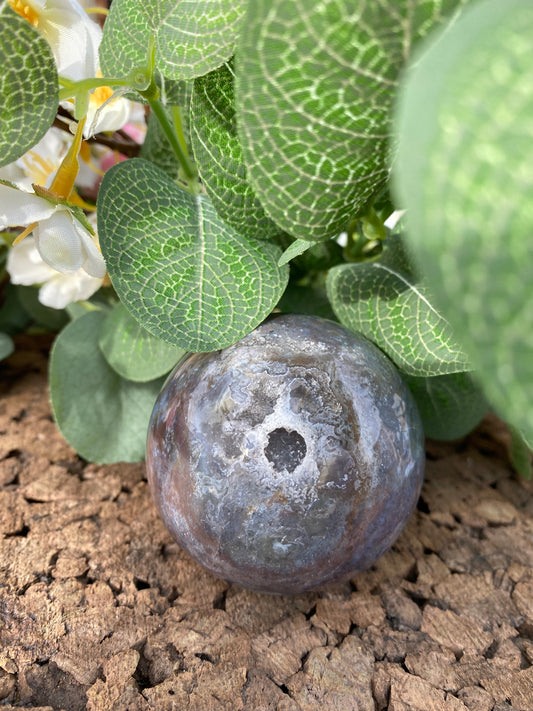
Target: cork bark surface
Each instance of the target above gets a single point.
(100, 610)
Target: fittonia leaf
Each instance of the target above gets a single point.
(315, 83)
(185, 275)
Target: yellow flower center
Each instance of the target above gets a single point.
(100, 95)
(37, 167)
(26, 11)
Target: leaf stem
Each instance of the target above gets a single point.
(178, 125)
(170, 132)
(71, 88)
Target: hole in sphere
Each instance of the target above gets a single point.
(285, 449)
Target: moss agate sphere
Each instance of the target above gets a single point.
(289, 460)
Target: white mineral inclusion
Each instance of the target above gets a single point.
(259, 375)
(300, 483)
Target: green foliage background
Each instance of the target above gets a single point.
(304, 120)
(464, 171)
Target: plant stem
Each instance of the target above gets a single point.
(71, 88)
(178, 125)
(186, 165)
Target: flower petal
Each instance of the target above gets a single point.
(108, 111)
(39, 164)
(19, 208)
(58, 242)
(63, 289)
(93, 262)
(73, 36)
(25, 266)
(15, 174)
(42, 161)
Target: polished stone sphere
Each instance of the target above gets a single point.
(289, 460)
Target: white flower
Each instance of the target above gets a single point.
(72, 35)
(108, 111)
(39, 164)
(62, 241)
(75, 41)
(25, 266)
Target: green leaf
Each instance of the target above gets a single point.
(314, 86)
(51, 319)
(392, 310)
(521, 454)
(103, 416)
(450, 405)
(175, 93)
(464, 171)
(133, 352)
(28, 85)
(6, 346)
(192, 37)
(103, 300)
(182, 273)
(76, 309)
(297, 248)
(219, 156)
(13, 316)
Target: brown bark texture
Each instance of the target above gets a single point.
(101, 610)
